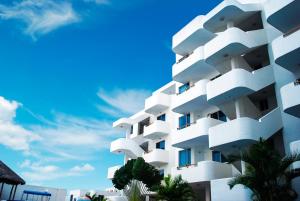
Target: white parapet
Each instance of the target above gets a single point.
(191, 36)
(193, 68)
(204, 171)
(290, 95)
(123, 123)
(194, 135)
(244, 130)
(126, 146)
(192, 99)
(157, 130)
(232, 42)
(157, 103)
(286, 51)
(237, 83)
(220, 191)
(157, 157)
(111, 171)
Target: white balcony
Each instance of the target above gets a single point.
(123, 123)
(157, 157)
(233, 42)
(283, 14)
(193, 68)
(295, 148)
(237, 83)
(157, 130)
(290, 95)
(157, 103)
(229, 11)
(220, 191)
(126, 146)
(244, 131)
(286, 51)
(111, 171)
(191, 36)
(204, 171)
(194, 135)
(192, 99)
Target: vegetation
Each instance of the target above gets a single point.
(175, 190)
(267, 174)
(95, 197)
(139, 170)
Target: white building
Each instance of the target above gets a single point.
(75, 194)
(234, 80)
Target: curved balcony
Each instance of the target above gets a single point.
(191, 36)
(233, 42)
(111, 171)
(157, 157)
(286, 51)
(157, 130)
(193, 68)
(191, 100)
(123, 123)
(283, 14)
(290, 95)
(126, 146)
(194, 135)
(295, 148)
(237, 83)
(157, 103)
(229, 11)
(220, 191)
(240, 132)
(204, 171)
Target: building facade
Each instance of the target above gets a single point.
(235, 79)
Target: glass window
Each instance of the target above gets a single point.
(185, 157)
(162, 117)
(161, 145)
(184, 121)
(219, 115)
(131, 129)
(216, 156)
(162, 172)
(184, 88)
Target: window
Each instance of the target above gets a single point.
(131, 129)
(185, 157)
(184, 121)
(219, 115)
(160, 145)
(162, 172)
(162, 117)
(184, 88)
(142, 124)
(263, 105)
(218, 157)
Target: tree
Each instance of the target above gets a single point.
(175, 190)
(267, 174)
(137, 169)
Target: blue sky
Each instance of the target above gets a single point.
(69, 68)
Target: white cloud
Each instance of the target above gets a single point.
(106, 2)
(123, 102)
(40, 16)
(84, 168)
(13, 135)
(37, 172)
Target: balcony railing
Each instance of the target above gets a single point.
(183, 58)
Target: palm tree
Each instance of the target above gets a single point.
(174, 190)
(267, 174)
